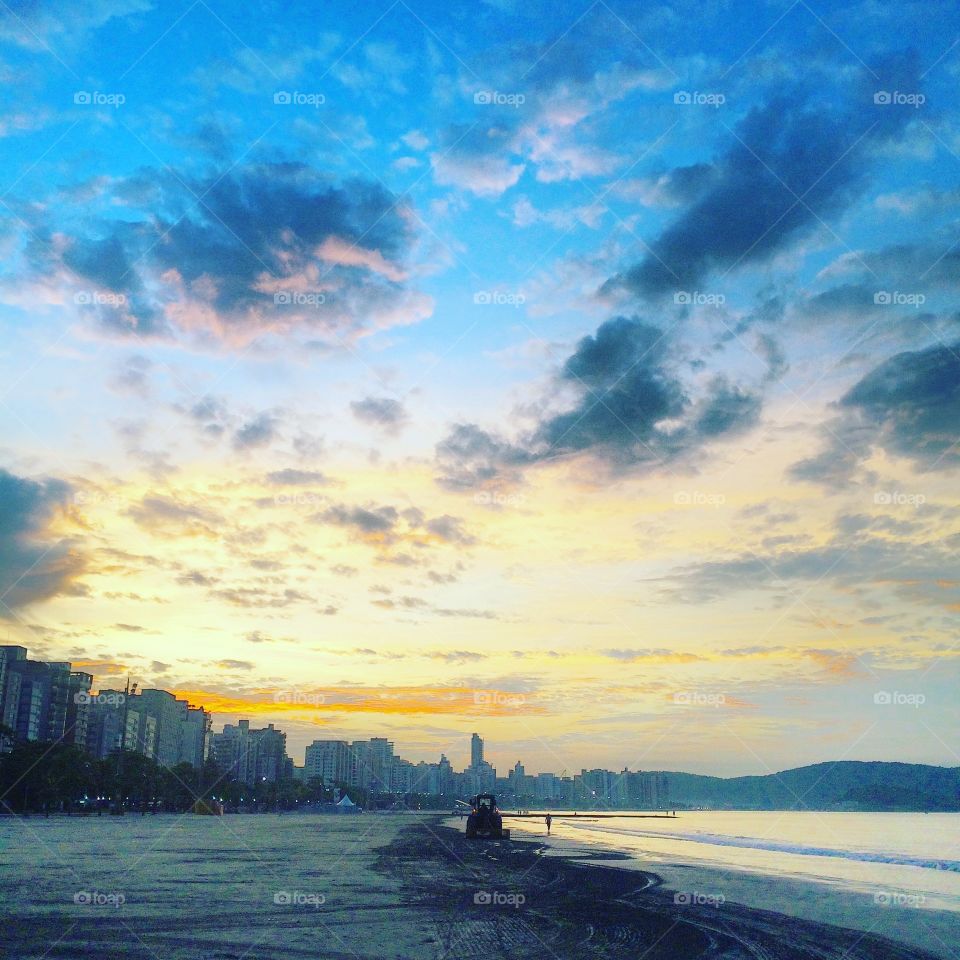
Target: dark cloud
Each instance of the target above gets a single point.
(790, 163)
(912, 267)
(726, 409)
(771, 351)
(386, 525)
(914, 402)
(211, 416)
(848, 299)
(472, 457)
(860, 554)
(908, 406)
(256, 598)
(564, 83)
(258, 432)
(404, 603)
(235, 664)
(266, 247)
(633, 654)
(628, 390)
(449, 529)
(375, 520)
(291, 477)
(34, 562)
(132, 376)
(168, 516)
(457, 656)
(382, 412)
(466, 614)
(196, 578)
(435, 577)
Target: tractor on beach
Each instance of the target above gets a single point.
(484, 819)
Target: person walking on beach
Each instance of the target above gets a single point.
(549, 820)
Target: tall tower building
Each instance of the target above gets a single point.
(476, 750)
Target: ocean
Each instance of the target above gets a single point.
(907, 859)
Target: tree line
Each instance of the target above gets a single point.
(57, 778)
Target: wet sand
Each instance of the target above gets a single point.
(891, 913)
(401, 886)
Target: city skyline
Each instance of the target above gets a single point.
(52, 704)
(590, 381)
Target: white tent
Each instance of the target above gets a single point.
(345, 802)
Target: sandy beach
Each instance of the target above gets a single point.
(400, 886)
(825, 902)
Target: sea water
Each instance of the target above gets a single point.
(911, 859)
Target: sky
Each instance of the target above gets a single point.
(583, 374)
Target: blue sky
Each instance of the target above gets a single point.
(595, 355)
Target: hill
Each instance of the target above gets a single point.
(843, 785)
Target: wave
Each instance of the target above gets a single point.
(754, 843)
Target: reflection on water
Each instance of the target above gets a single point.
(897, 854)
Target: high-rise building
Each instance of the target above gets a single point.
(10, 685)
(476, 750)
(108, 711)
(250, 755)
(194, 736)
(170, 714)
(545, 789)
(78, 709)
(402, 776)
(9, 693)
(37, 696)
(371, 764)
(444, 777)
(330, 760)
(272, 761)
